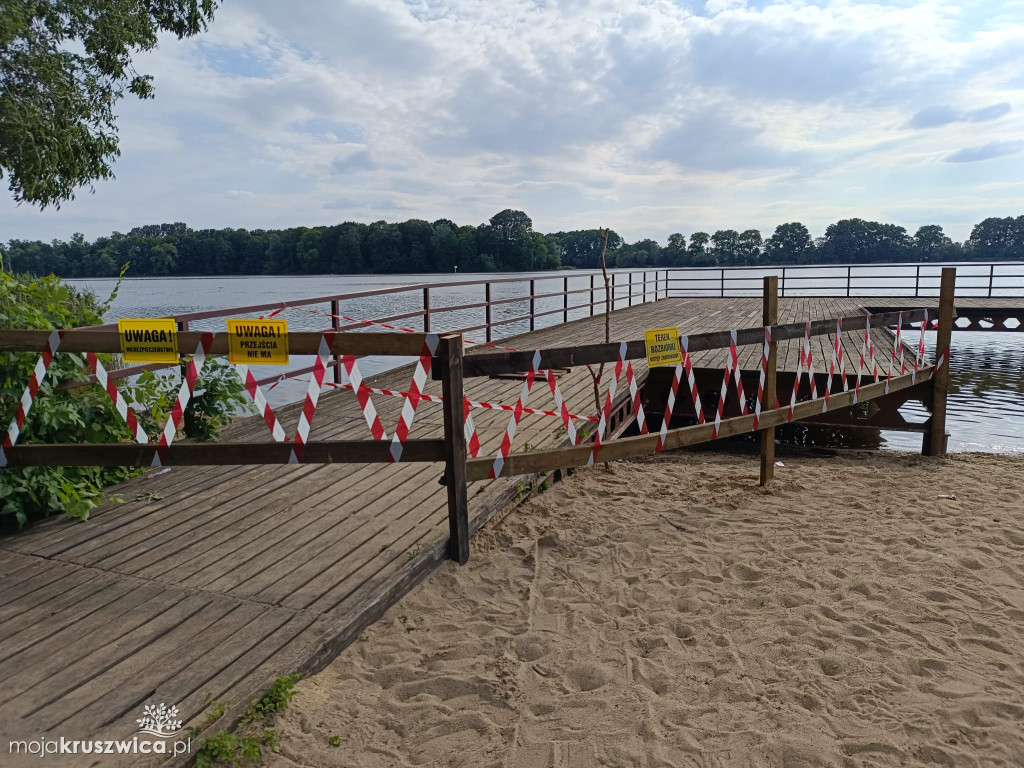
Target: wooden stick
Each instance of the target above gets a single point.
(450, 355)
(208, 454)
(935, 437)
(770, 317)
(550, 460)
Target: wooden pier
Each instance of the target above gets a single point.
(206, 583)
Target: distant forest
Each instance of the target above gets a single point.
(507, 243)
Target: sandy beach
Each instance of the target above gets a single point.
(866, 610)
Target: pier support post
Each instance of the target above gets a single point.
(770, 316)
(449, 356)
(935, 438)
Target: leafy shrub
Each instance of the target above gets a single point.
(83, 414)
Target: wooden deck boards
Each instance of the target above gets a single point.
(208, 582)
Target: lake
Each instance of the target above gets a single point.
(986, 369)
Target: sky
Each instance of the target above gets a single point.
(647, 117)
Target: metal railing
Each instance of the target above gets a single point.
(628, 287)
(974, 279)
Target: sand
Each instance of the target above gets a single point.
(670, 613)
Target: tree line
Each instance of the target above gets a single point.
(506, 243)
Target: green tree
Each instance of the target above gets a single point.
(64, 64)
(749, 246)
(161, 258)
(995, 239)
(932, 244)
(790, 244)
(698, 250)
(725, 247)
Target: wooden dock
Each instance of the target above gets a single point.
(207, 583)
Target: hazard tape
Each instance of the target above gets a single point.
(634, 396)
(195, 365)
(837, 353)
(764, 373)
(312, 398)
(120, 404)
(919, 358)
(895, 345)
(731, 367)
(736, 369)
(606, 413)
(469, 428)
(355, 378)
(669, 408)
(806, 358)
(419, 380)
(29, 395)
(563, 409)
(510, 431)
(260, 400)
(691, 380)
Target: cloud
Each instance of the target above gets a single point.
(985, 152)
(934, 117)
(651, 117)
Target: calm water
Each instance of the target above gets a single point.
(986, 406)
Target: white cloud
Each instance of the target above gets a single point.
(645, 117)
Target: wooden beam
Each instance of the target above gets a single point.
(935, 438)
(299, 342)
(494, 363)
(450, 357)
(770, 316)
(210, 454)
(546, 461)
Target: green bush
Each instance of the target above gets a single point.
(84, 414)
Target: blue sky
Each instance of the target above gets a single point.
(648, 117)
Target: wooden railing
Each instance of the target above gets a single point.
(988, 280)
(452, 368)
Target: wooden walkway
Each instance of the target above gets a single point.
(209, 582)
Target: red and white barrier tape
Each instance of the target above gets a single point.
(312, 398)
(837, 353)
(563, 409)
(806, 358)
(260, 400)
(195, 365)
(895, 345)
(355, 378)
(419, 380)
(684, 342)
(634, 396)
(669, 407)
(764, 373)
(125, 411)
(606, 413)
(510, 431)
(736, 370)
(469, 428)
(29, 395)
(919, 358)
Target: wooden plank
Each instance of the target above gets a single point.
(935, 437)
(770, 317)
(299, 342)
(450, 359)
(207, 454)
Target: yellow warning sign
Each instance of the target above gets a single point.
(148, 340)
(257, 342)
(663, 347)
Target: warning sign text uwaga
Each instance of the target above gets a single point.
(142, 340)
(258, 342)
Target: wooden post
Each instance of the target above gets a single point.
(336, 325)
(565, 299)
(770, 316)
(189, 417)
(487, 309)
(449, 356)
(533, 308)
(426, 310)
(935, 437)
